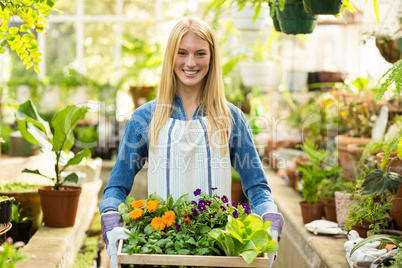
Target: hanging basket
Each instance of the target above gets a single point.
(274, 17)
(388, 48)
(293, 19)
(321, 7)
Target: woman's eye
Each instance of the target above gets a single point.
(182, 53)
(202, 54)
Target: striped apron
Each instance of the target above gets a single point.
(185, 161)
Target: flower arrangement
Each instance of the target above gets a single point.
(182, 227)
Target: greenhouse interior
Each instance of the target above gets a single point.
(234, 133)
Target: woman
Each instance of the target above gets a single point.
(190, 135)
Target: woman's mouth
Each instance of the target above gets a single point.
(190, 73)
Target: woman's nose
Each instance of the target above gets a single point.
(190, 61)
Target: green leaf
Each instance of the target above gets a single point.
(86, 153)
(381, 237)
(29, 65)
(2, 35)
(148, 229)
(122, 208)
(249, 256)
(270, 248)
(183, 251)
(36, 171)
(64, 124)
(73, 177)
(27, 114)
(2, 50)
(13, 30)
(377, 182)
(259, 238)
(36, 68)
(126, 217)
(35, 54)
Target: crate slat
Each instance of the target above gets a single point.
(188, 260)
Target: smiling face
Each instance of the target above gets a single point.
(192, 62)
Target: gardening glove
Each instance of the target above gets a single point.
(110, 221)
(114, 236)
(276, 227)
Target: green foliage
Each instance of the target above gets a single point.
(11, 255)
(369, 207)
(396, 261)
(246, 236)
(35, 14)
(393, 75)
(58, 138)
(179, 227)
(16, 214)
(379, 237)
(378, 181)
(317, 179)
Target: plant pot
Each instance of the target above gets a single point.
(293, 19)
(342, 142)
(140, 95)
(262, 74)
(342, 203)
(6, 210)
(237, 192)
(244, 19)
(395, 166)
(59, 206)
(388, 48)
(321, 7)
(29, 203)
(292, 176)
(330, 210)
(274, 17)
(362, 228)
(396, 211)
(20, 231)
(311, 212)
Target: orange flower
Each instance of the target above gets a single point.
(169, 218)
(152, 205)
(136, 214)
(184, 213)
(157, 222)
(137, 203)
(187, 220)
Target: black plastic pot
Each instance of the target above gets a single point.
(5, 210)
(293, 19)
(20, 231)
(321, 7)
(272, 12)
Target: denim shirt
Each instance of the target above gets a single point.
(133, 153)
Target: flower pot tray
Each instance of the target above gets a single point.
(187, 260)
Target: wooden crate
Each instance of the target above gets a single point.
(188, 260)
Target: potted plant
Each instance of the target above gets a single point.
(371, 204)
(11, 254)
(328, 187)
(259, 68)
(27, 198)
(312, 176)
(21, 226)
(293, 19)
(6, 208)
(141, 60)
(59, 202)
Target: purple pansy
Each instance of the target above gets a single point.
(214, 188)
(211, 215)
(197, 192)
(195, 212)
(208, 203)
(194, 203)
(245, 206)
(178, 227)
(225, 199)
(235, 215)
(201, 208)
(223, 208)
(202, 202)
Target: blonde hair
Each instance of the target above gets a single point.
(213, 101)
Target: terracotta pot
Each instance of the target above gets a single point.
(396, 165)
(291, 173)
(342, 142)
(59, 206)
(388, 48)
(237, 192)
(342, 203)
(362, 228)
(311, 212)
(396, 211)
(330, 211)
(29, 203)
